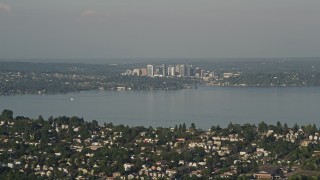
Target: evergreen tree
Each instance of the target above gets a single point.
(7, 114)
(262, 127)
(193, 127)
(184, 127)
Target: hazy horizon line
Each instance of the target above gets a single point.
(145, 60)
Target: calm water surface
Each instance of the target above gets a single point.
(205, 106)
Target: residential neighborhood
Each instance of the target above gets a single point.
(73, 148)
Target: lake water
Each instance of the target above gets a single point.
(204, 106)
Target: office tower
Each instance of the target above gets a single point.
(136, 72)
(187, 72)
(197, 72)
(171, 71)
(150, 69)
(178, 69)
(164, 70)
(182, 70)
(203, 73)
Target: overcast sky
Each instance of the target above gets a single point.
(162, 28)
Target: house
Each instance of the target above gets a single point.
(94, 148)
(226, 175)
(77, 140)
(127, 166)
(268, 173)
(182, 140)
(83, 170)
(116, 174)
(242, 153)
(269, 132)
(193, 164)
(130, 176)
(10, 165)
(159, 169)
(171, 172)
(64, 126)
(305, 143)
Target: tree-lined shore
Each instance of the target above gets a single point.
(51, 78)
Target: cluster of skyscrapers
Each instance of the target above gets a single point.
(179, 70)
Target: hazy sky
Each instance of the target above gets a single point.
(162, 28)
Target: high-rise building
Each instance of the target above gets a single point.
(171, 71)
(182, 70)
(178, 69)
(156, 71)
(144, 72)
(192, 72)
(212, 74)
(164, 70)
(150, 72)
(187, 71)
(197, 72)
(136, 72)
(203, 73)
